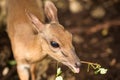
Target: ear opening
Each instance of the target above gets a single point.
(37, 24)
(51, 11)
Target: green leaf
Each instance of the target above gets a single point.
(58, 71)
(12, 62)
(103, 71)
(59, 78)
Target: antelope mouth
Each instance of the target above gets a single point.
(73, 68)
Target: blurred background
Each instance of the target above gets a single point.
(95, 25)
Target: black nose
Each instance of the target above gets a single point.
(77, 64)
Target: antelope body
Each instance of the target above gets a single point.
(32, 39)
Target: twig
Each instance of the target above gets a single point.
(85, 62)
(104, 25)
(96, 28)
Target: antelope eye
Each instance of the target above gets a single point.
(54, 44)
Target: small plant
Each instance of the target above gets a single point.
(97, 67)
(12, 62)
(58, 75)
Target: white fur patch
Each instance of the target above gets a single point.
(23, 66)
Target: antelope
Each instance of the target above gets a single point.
(32, 39)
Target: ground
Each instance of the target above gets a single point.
(96, 39)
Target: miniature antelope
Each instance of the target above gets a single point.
(32, 39)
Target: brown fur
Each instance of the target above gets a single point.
(25, 17)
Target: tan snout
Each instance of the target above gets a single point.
(74, 64)
(69, 59)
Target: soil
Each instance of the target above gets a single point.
(96, 40)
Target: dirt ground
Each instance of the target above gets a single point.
(96, 39)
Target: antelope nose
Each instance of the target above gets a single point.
(77, 64)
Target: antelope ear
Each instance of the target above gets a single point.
(37, 24)
(51, 11)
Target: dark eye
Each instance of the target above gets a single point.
(54, 44)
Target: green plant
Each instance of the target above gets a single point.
(97, 67)
(58, 75)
